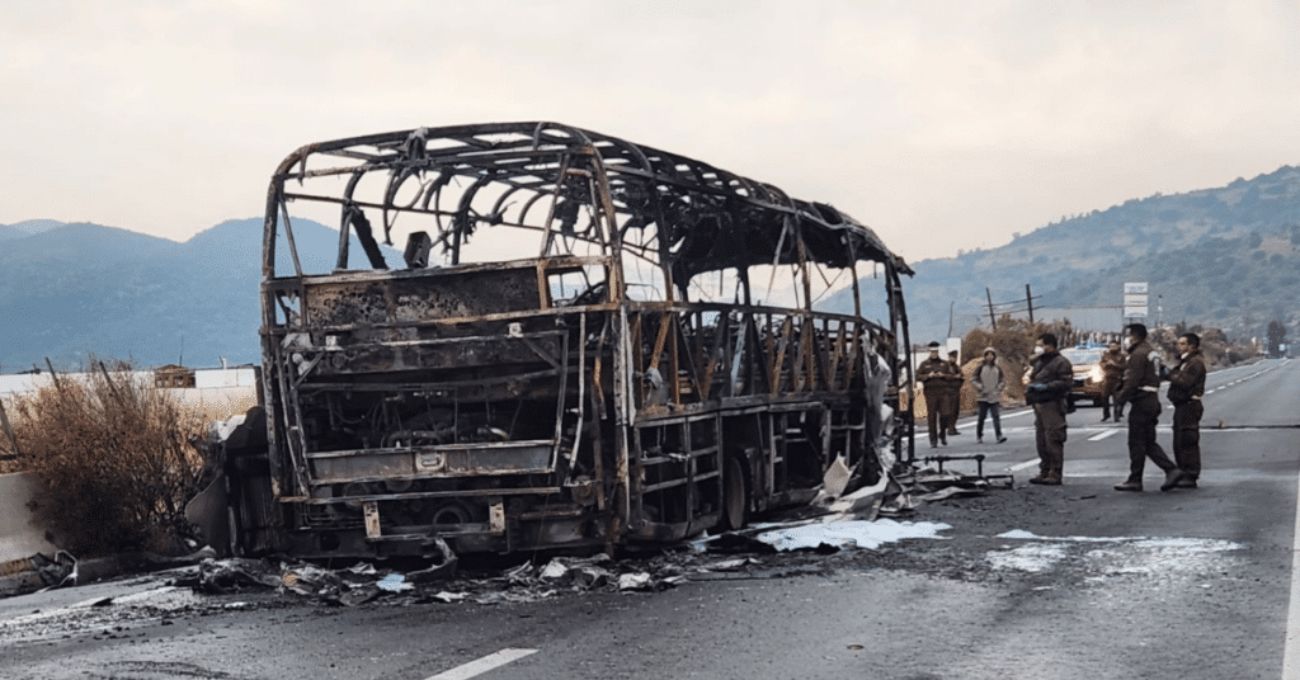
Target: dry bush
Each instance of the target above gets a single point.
(1014, 342)
(115, 461)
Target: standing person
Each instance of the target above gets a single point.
(954, 400)
(989, 384)
(1186, 387)
(1141, 392)
(1050, 378)
(936, 376)
(1112, 368)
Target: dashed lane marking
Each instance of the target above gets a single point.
(1104, 434)
(482, 665)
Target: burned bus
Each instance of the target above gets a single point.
(539, 337)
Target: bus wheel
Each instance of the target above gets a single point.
(735, 489)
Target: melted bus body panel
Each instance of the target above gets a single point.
(584, 343)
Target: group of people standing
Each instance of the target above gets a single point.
(1132, 381)
(941, 381)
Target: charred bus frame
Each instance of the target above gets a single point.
(470, 398)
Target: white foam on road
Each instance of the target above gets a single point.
(1034, 559)
(849, 534)
(484, 664)
(1180, 543)
(1109, 556)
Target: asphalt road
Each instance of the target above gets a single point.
(1093, 584)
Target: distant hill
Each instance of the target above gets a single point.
(1225, 256)
(1228, 257)
(71, 290)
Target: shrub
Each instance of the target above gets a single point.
(115, 461)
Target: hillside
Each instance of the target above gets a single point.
(71, 290)
(1227, 257)
(1172, 241)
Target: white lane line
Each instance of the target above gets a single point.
(483, 665)
(1021, 466)
(1291, 647)
(1108, 433)
(970, 420)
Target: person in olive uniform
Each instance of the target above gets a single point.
(1112, 369)
(954, 400)
(1186, 387)
(1141, 392)
(1049, 380)
(936, 376)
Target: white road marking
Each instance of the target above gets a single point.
(970, 421)
(1021, 466)
(1291, 653)
(1108, 433)
(482, 665)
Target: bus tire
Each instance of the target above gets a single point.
(735, 495)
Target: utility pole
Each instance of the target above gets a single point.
(993, 320)
(1029, 300)
(951, 304)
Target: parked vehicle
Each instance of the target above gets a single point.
(1088, 376)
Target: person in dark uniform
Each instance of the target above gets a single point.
(1141, 392)
(954, 400)
(1112, 369)
(1048, 386)
(1186, 387)
(936, 376)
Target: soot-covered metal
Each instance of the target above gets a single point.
(582, 345)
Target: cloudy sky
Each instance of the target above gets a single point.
(944, 125)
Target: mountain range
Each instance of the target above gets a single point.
(71, 290)
(1226, 257)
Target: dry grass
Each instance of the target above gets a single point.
(115, 461)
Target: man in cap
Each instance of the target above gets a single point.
(936, 376)
(1186, 387)
(954, 399)
(1141, 392)
(989, 383)
(1049, 381)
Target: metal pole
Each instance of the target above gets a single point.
(1029, 300)
(993, 320)
(57, 385)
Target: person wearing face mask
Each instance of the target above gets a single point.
(1141, 392)
(936, 376)
(1049, 380)
(1186, 387)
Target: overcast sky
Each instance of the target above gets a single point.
(943, 125)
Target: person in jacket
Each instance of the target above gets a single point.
(1112, 369)
(936, 376)
(1141, 392)
(1186, 388)
(989, 383)
(954, 399)
(1049, 380)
